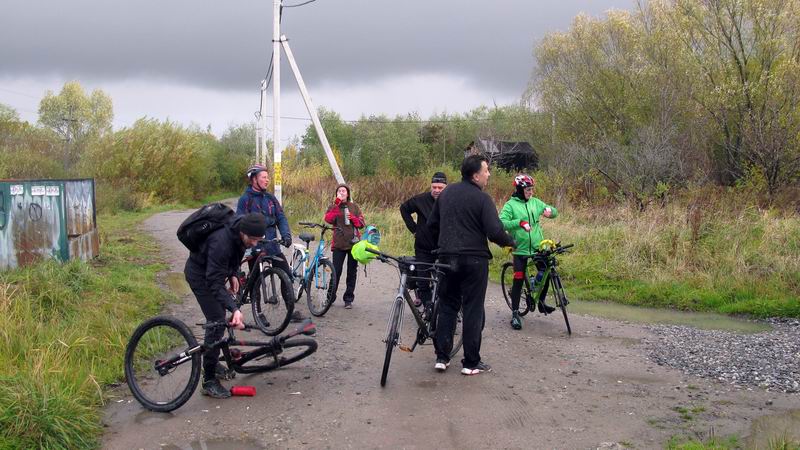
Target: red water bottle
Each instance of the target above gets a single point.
(243, 391)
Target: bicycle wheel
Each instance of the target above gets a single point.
(274, 303)
(160, 339)
(392, 335)
(561, 300)
(506, 281)
(458, 336)
(318, 286)
(294, 349)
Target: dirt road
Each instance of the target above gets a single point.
(594, 389)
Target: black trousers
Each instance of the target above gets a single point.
(423, 288)
(213, 311)
(462, 288)
(352, 271)
(516, 286)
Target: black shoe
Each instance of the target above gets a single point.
(478, 368)
(545, 308)
(516, 321)
(297, 316)
(263, 319)
(215, 389)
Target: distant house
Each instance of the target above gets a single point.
(511, 156)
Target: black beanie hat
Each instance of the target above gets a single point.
(253, 225)
(439, 177)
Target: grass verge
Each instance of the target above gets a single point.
(63, 331)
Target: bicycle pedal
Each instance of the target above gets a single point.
(405, 348)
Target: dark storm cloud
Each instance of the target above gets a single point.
(225, 44)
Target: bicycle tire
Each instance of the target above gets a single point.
(561, 299)
(318, 288)
(153, 341)
(506, 281)
(392, 335)
(458, 336)
(268, 307)
(293, 350)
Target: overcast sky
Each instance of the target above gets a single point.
(201, 61)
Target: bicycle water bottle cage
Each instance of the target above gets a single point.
(306, 237)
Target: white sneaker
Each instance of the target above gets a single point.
(441, 364)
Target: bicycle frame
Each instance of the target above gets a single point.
(425, 327)
(309, 266)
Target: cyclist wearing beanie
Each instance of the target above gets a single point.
(208, 271)
(346, 216)
(422, 205)
(520, 216)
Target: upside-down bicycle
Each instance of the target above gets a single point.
(163, 358)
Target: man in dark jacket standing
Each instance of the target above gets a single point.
(207, 272)
(462, 219)
(424, 245)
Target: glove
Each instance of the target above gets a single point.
(337, 201)
(525, 225)
(286, 241)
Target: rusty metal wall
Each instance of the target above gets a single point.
(35, 226)
(84, 242)
(47, 219)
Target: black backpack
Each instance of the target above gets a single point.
(196, 228)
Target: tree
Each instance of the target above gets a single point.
(76, 118)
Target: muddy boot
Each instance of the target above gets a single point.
(222, 373)
(213, 388)
(516, 321)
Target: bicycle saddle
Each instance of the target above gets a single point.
(306, 237)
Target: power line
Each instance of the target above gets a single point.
(18, 93)
(299, 4)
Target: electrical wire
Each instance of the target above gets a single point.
(298, 4)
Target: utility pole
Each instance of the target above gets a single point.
(277, 41)
(276, 107)
(312, 111)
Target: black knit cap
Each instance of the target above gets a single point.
(439, 177)
(253, 225)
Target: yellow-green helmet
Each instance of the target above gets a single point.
(360, 253)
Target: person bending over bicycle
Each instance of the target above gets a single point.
(207, 272)
(256, 199)
(520, 216)
(422, 205)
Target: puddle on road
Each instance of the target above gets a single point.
(216, 444)
(705, 321)
(773, 430)
(151, 418)
(176, 282)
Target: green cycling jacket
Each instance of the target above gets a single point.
(516, 210)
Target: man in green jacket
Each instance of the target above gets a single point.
(520, 217)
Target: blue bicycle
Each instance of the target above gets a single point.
(315, 276)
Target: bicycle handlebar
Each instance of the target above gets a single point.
(406, 260)
(559, 249)
(316, 225)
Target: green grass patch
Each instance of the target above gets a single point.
(712, 443)
(63, 331)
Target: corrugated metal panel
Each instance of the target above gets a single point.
(47, 219)
(35, 228)
(84, 242)
(79, 207)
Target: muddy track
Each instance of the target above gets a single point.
(547, 390)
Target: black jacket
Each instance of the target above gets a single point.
(463, 218)
(219, 257)
(421, 205)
